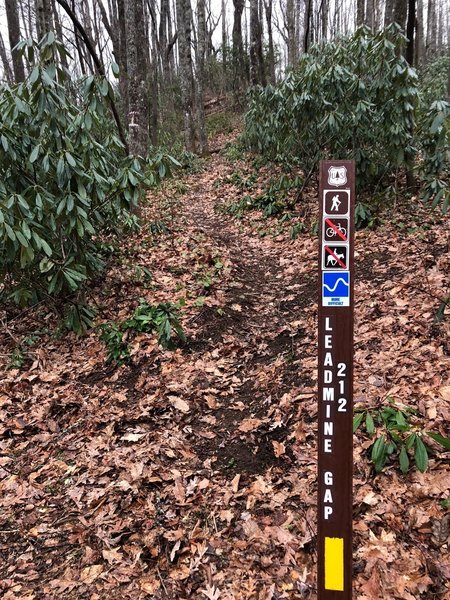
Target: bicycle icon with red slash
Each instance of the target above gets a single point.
(335, 229)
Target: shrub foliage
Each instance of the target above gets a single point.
(355, 98)
(64, 177)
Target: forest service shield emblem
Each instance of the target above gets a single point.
(337, 176)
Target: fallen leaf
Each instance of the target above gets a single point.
(278, 448)
(179, 404)
(132, 437)
(90, 574)
(250, 425)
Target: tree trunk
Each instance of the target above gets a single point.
(270, 50)
(257, 75)
(224, 41)
(448, 84)
(400, 11)
(377, 10)
(7, 71)
(431, 29)
(184, 20)
(44, 22)
(369, 16)
(14, 38)
(389, 13)
(122, 56)
(238, 46)
(201, 49)
(59, 31)
(410, 26)
(360, 12)
(325, 10)
(290, 26)
(155, 73)
(419, 45)
(307, 36)
(136, 67)
(299, 27)
(440, 28)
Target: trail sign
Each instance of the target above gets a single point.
(335, 229)
(335, 257)
(336, 202)
(335, 288)
(335, 464)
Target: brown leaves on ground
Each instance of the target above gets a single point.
(191, 474)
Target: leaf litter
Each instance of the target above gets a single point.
(192, 473)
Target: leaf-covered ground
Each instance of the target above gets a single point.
(192, 474)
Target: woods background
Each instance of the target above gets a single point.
(178, 59)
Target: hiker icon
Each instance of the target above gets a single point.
(336, 202)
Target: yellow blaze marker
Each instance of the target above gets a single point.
(334, 564)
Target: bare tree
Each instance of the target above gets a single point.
(270, 49)
(184, 21)
(14, 37)
(360, 12)
(308, 22)
(238, 46)
(325, 9)
(419, 45)
(224, 38)
(290, 28)
(7, 71)
(410, 28)
(400, 12)
(369, 15)
(44, 22)
(137, 63)
(201, 49)
(431, 29)
(98, 65)
(257, 74)
(388, 12)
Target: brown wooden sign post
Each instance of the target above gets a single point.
(335, 440)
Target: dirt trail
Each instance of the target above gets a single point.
(191, 474)
(262, 300)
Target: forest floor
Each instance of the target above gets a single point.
(191, 474)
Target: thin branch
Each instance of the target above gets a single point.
(98, 65)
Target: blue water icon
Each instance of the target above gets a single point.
(336, 284)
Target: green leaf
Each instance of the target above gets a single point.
(46, 248)
(443, 441)
(70, 159)
(410, 441)
(403, 460)
(400, 419)
(10, 233)
(437, 122)
(35, 153)
(378, 449)
(370, 425)
(104, 87)
(22, 239)
(115, 69)
(34, 75)
(421, 455)
(357, 420)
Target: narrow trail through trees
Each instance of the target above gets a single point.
(191, 474)
(267, 353)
